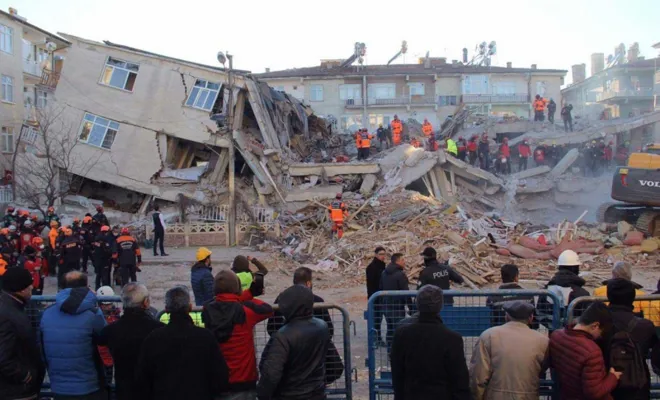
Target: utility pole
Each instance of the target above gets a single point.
(232, 185)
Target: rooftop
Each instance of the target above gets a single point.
(649, 64)
(24, 22)
(398, 69)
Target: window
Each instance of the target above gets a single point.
(378, 119)
(42, 99)
(350, 92)
(7, 88)
(416, 89)
(203, 95)
(7, 139)
(504, 88)
(540, 88)
(28, 134)
(6, 39)
(475, 84)
(350, 123)
(447, 100)
(316, 93)
(120, 74)
(381, 91)
(98, 131)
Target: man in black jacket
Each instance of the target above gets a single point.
(180, 360)
(427, 357)
(438, 274)
(293, 362)
(621, 295)
(21, 367)
(509, 274)
(374, 273)
(159, 231)
(394, 307)
(124, 338)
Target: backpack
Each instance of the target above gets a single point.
(625, 357)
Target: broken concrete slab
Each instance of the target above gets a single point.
(529, 173)
(317, 192)
(578, 185)
(534, 186)
(414, 157)
(354, 168)
(368, 183)
(565, 163)
(469, 186)
(477, 172)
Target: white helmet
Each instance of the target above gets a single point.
(12, 228)
(105, 291)
(27, 223)
(568, 258)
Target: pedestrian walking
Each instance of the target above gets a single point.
(159, 231)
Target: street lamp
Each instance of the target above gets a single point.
(222, 59)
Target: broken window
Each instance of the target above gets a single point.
(316, 93)
(98, 131)
(203, 95)
(7, 139)
(120, 74)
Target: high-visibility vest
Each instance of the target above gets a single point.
(396, 127)
(337, 211)
(358, 140)
(451, 147)
(365, 138)
(427, 129)
(539, 105)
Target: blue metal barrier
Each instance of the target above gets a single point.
(468, 315)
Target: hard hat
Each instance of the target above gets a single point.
(24, 213)
(51, 209)
(105, 228)
(99, 208)
(34, 217)
(124, 231)
(54, 224)
(28, 223)
(37, 243)
(105, 291)
(10, 209)
(203, 253)
(76, 220)
(4, 231)
(87, 220)
(593, 142)
(338, 196)
(568, 258)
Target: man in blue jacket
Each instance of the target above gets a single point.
(69, 330)
(201, 277)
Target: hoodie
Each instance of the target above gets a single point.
(232, 318)
(201, 280)
(293, 362)
(393, 278)
(374, 272)
(69, 329)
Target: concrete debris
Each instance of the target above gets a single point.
(529, 173)
(563, 165)
(368, 184)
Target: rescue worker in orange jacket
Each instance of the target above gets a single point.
(337, 213)
(365, 144)
(539, 108)
(427, 128)
(127, 255)
(358, 142)
(397, 130)
(52, 246)
(34, 264)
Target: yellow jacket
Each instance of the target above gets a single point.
(451, 147)
(650, 309)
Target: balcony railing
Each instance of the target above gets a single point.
(31, 67)
(495, 98)
(625, 93)
(396, 101)
(49, 79)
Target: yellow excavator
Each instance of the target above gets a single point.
(636, 187)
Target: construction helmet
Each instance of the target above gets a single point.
(87, 220)
(76, 220)
(105, 291)
(24, 213)
(12, 228)
(54, 224)
(28, 223)
(125, 231)
(51, 209)
(105, 228)
(34, 217)
(203, 253)
(568, 258)
(10, 209)
(338, 196)
(99, 208)
(4, 231)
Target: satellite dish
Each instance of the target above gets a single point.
(50, 46)
(221, 58)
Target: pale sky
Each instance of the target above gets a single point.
(293, 33)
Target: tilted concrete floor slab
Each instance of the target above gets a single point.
(353, 168)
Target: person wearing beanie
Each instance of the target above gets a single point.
(438, 274)
(21, 367)
(621, 296)
(427, 358)
(293, 362)
(241, 267)
(231, 316)
(508, 359)
(647, 309)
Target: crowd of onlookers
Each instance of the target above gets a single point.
(83, 343)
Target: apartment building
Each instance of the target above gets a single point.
(30, 59)
(367, 96)
(618, 89)
(141, 121)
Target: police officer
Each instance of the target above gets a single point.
(438, 274)
(128, 255)
(103, 248)
(70, 252)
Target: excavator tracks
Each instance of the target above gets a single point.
(649, 223)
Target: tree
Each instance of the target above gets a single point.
(43, 155)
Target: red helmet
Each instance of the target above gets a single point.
(34, 217)
(338, 196)
(76, 220)
(10, 209)
(105, 228)
(37, 242)
(124, 231)
(99, 208)
(51, 209)
(87, 219)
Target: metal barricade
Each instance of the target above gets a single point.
(647, 306)
(465, 312)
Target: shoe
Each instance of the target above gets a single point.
(164, 255)
(155, 255)
(138, 269)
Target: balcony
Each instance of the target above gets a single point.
(495, 98)
(396, 101)
(49, 80)
(31, 67)
(625, 94)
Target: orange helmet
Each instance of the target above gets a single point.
(37, 243)
(34, 217)
(87, 220)
(105, 228)
(10, 209)
(24, 213)
(76, 220)
(4, 231)
(124, 231)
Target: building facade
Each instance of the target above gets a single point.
(368, 96)
(29, 60)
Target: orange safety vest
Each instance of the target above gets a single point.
(358, 140)
(427, 129)
(52, 236)
(365, 138)
(397, 127)
(539, 105)
(337, 211)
